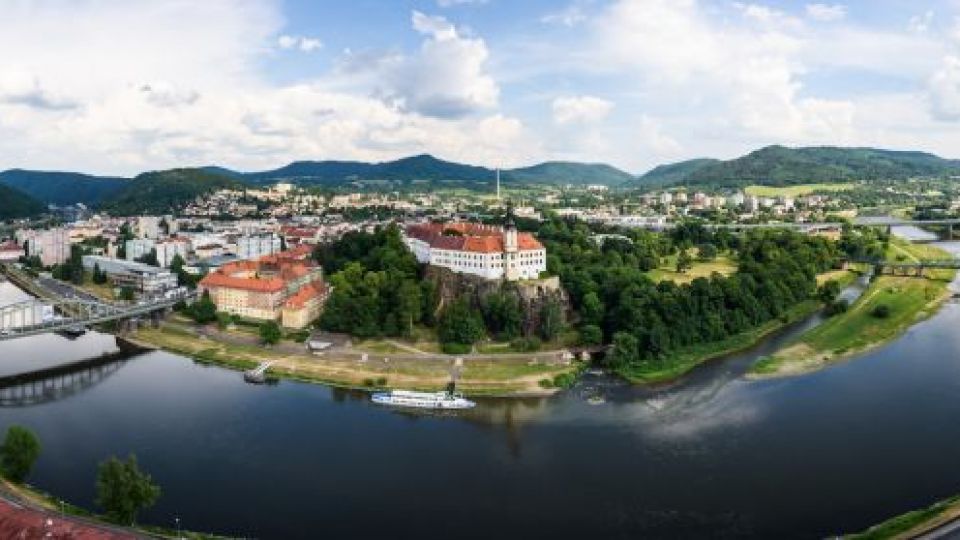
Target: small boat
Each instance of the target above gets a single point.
(73, 331)
(422, 400)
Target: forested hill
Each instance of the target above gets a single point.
(426, 169)
(62, 188)
(779, 166)
(16, 204)
(166, 191)
(672, 173)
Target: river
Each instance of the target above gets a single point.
(712, 455)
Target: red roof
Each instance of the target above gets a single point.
(286, 266)
(305, 294)
(473, 237)
(10, 246)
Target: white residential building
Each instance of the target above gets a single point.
(170, 248)
(51, 245)
(487, 251)
(138, 247)
(148, 227)
(257, 245)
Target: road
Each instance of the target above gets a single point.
(20, 518)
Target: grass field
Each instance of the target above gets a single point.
(795, 191)
(912, 524)
(909, 300)
(479, 377)
(668, 271)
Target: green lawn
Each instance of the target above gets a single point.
(795, 191)
(668, 271)
(910, 524)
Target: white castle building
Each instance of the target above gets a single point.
(487, 251)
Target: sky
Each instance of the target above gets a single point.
(123, 86)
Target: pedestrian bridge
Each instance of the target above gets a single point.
(35, 316)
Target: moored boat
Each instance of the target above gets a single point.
(422, 400)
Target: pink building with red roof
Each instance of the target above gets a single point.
(488, 251)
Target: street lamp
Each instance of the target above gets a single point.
(177, 519)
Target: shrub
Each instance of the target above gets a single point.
(456, 348)
(882, 311)
(529, 344)
(836, 308)
(564, 380)
(368, 382)
(545, 383)
(381, 381)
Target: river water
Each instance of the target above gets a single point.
(712, 455)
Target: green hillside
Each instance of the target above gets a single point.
(62, 188)
(673, 172)
(782, 166)
(166, 191)
(566, 172)
(16, 204)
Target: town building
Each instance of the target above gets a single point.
(51, 245)
(148, 227)
(143, 278)
(257, 245)
(488, 251)
(170, 248)
(10, 251)
(138, 247)
(286, 287)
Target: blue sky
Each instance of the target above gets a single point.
(117, 87)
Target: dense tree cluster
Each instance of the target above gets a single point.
(377, 289)
(646, 321)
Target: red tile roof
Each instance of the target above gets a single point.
(473, 237)
(305, 294)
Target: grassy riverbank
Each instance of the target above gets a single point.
(908, 300)
(686, 359)
(478, 376)
(913, 524)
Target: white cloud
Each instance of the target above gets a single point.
(944, 90)
(305, 44)
(920, 23)
(569, 16)
(580, 109)
(187, 88)
(447, 76)
(826, 12)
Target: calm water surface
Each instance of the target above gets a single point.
(713, 455)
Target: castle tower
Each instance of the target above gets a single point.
(511, 262)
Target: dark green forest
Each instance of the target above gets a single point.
(165, 191)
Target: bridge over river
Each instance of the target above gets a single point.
(53, 312)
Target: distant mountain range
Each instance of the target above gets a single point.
(164, 191)
(428, 169)
(781, 166)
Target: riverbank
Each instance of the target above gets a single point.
(913, 524)
(22, 506)
(864, 327)
(535, 374)
(683, 361)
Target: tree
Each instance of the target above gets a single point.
(684, 261)
(149, 258)
(590, 334)
(625, 350)
(128, 294)
(270, 332)
(99, 276)
(19, 452)
(123, 490)
(551, 320)
(706, 252)
(882, 311)
(460, 325)
(204, 310)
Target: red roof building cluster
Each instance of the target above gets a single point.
(472, 237)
